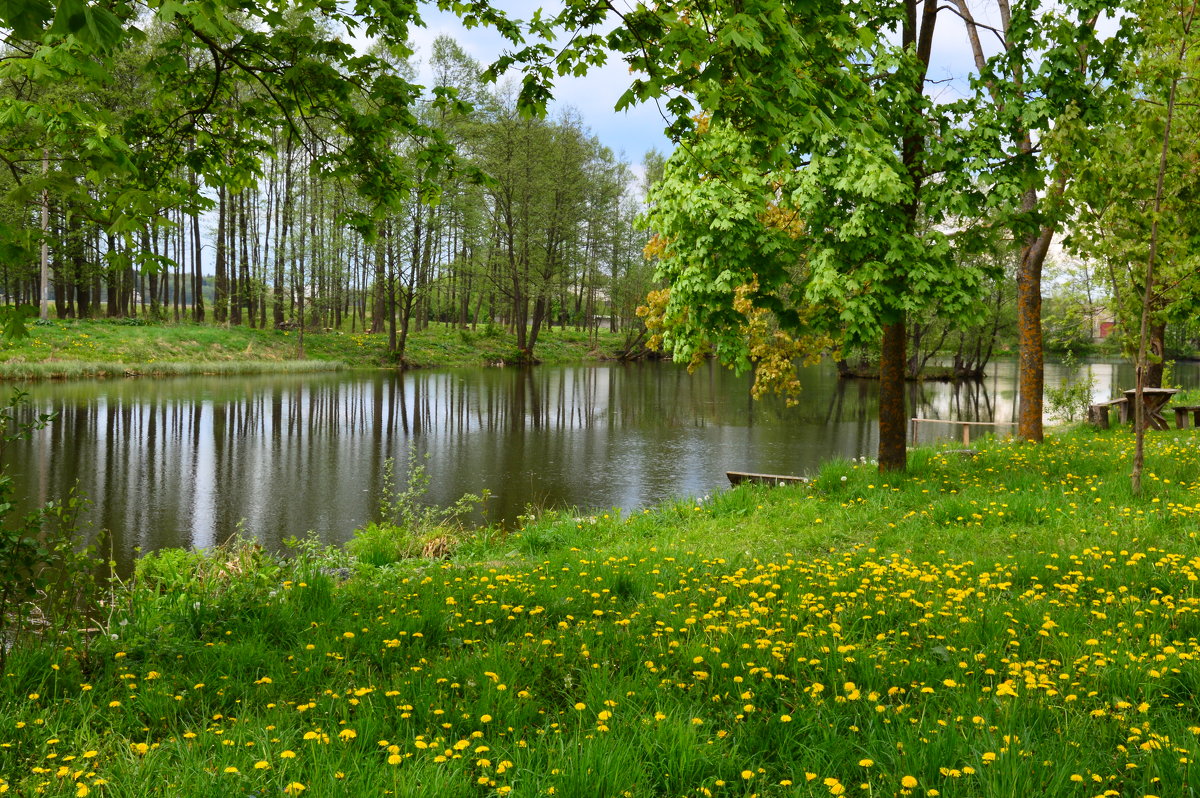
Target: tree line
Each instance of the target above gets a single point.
(540, 232)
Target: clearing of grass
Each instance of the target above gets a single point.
(69, 349)
(1012, 624)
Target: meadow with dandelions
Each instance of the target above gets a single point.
(1012, 624)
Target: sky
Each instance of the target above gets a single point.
(631, 133)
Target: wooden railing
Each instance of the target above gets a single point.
(966, 427)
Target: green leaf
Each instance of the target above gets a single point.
(27, 18)
(13, 318)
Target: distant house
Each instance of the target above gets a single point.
(1102, 323)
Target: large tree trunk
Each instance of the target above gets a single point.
(1030, 358)
(893, 421)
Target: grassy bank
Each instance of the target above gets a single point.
(112, 348)
(1014, 624)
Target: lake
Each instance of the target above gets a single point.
(183, 461)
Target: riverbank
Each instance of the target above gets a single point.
(65, 349)
(1011, 624)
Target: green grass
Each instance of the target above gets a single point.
(64, 349)
(1012, 624)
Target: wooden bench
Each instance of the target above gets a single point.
(1098, 413)
(1181, 416)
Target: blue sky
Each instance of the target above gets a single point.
(594, 96)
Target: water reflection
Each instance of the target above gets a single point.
(182, 461)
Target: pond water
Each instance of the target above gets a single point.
(183, 461)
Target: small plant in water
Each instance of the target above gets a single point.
(407, 526)
(1070, 401)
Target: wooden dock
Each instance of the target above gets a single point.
(738, 477)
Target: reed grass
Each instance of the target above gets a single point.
(82, 369)
(88, 348)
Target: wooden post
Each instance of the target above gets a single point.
(966, 436)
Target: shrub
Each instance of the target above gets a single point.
(50, 584)
(408, 527)
(1070, 401)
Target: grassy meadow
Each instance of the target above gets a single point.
(1013, 624)
(70, 349)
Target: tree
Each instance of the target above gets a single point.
(827, 221)
(1047, 70)
(1140, 211)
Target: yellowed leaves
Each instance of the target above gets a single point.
(655, 312)
(656, 247)
(774, 352)
(786, 220)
